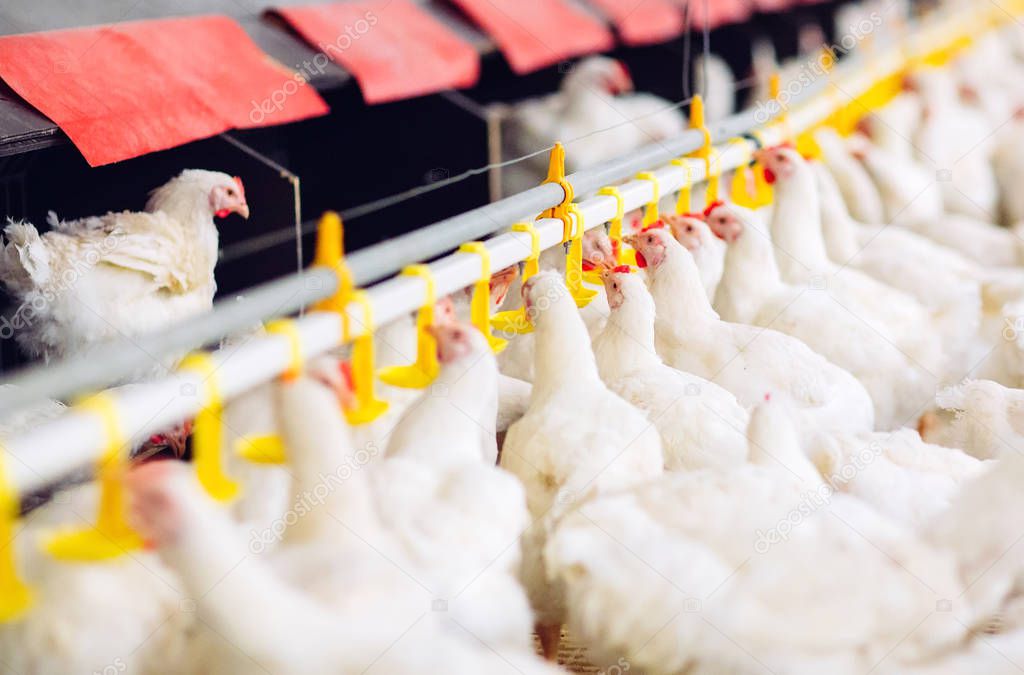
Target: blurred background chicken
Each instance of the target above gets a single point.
(596, 112)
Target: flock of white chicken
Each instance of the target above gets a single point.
(790, 442)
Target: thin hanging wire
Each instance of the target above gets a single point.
(707, 51)
(296, 192)
(686, 50)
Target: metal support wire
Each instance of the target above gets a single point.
(46, 453)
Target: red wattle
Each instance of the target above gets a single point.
(345, 367)
(641, 261)
(769, 176)
(223, 213)
(588, 266)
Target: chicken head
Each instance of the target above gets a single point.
(444, 310)
(600, 73)
(543, 291)
(456, 340)
(688, 229)
(228, 196)
(779, 162)
(651, 245)
(725, 223)
(500, 282)
(336, 375)
(618, 283)
(598, 251)
(175, 440)
(158, 493)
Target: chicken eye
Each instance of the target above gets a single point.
(689, 228)
(615, 285)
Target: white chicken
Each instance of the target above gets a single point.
(262, 623)
(126, 613)
(517, 361)
(595, 113)
(746, 360)
(395, 345)
(754, 568)
(468, 379)
(752, 291)
(958, 140)
(708, 250)
(121, 274)
(989, 418)
(982, 526)
(701, 424)
(858, 191)
(577, 438)
(988, 81)
(434, 515)
(897, 473)
(86, 617)
(912, 198)
(800, 253)
(938, 278)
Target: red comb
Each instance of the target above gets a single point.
(587, 266)
(622, 269)
(656, 225)
(711, 207)
(241, 188)
(695, 216)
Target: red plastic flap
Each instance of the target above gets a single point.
(533, 34)
(772, 6)
(393, 48)
(128, 89)
(642, 22)
(719, 12)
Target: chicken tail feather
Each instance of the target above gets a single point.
(24, 259)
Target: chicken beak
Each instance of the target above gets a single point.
(243, 210)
